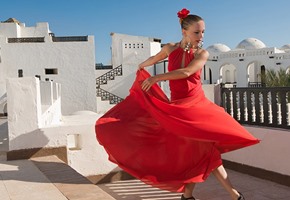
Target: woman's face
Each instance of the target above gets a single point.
(194, 34)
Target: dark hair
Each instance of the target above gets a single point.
(187, 21)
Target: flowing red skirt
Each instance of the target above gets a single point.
(168, 144)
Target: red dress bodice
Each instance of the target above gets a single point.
(186, 87)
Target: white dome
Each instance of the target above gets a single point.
(251, 43)
(286, 46)
(217, 48)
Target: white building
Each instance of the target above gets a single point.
(36, 126)
(127, 52)
(244, 65)
(241, 67)
(35, 51)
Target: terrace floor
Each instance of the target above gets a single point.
(48, 178)
(252, 188)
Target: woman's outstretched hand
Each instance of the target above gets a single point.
(140, 67)
(147, 83)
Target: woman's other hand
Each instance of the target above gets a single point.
(140, 67)
(147, 83)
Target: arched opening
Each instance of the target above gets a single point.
(263, 75)
(207, 75)
(210, 76)
(228, 74)
(256, 74)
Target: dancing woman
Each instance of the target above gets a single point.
(173, 143)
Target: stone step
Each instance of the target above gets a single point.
(69, 182)
(22, 180)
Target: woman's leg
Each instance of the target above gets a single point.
(188, 190)
(222, 176)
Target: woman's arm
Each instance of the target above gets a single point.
(156, 58)
(196, 64)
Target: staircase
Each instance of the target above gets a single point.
(104, 79)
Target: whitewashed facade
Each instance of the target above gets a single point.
(127, 52)
(241, 67)
(35, 51)
(35, 121)
(245, 64)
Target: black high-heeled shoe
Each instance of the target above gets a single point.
(189, 198)
(241, 197)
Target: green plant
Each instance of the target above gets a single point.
(276, 78)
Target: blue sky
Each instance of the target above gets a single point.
(227, 21)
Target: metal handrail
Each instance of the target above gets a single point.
(26, 40)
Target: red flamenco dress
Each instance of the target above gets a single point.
(168, 143)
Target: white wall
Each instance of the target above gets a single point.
(24, 107)
(127, 51)
(10, 29)
(243, 75)
(74, 61)
(89, 158)
(271, 154)
(29, 110)
(32, 126)
(131, 50)
(41, 29)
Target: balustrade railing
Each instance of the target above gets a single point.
(258, 106)
(110, 75)
(70, 39)
(107, 96)
(54, 39)
(26, 40)
(102, 80)
(256, 84)
(160, 67)
(100, 66)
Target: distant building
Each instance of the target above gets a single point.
(244, 65)
(239, 67)
(127, 52)
(36, 51)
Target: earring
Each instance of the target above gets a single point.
(200, 44)
(187, 47)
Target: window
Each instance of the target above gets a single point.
(20, 73)
(133, 46)
(51, 71)
(74, 142)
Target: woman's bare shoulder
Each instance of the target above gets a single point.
(169, 47)
(202, 54)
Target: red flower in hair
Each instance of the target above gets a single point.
(183, 13)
